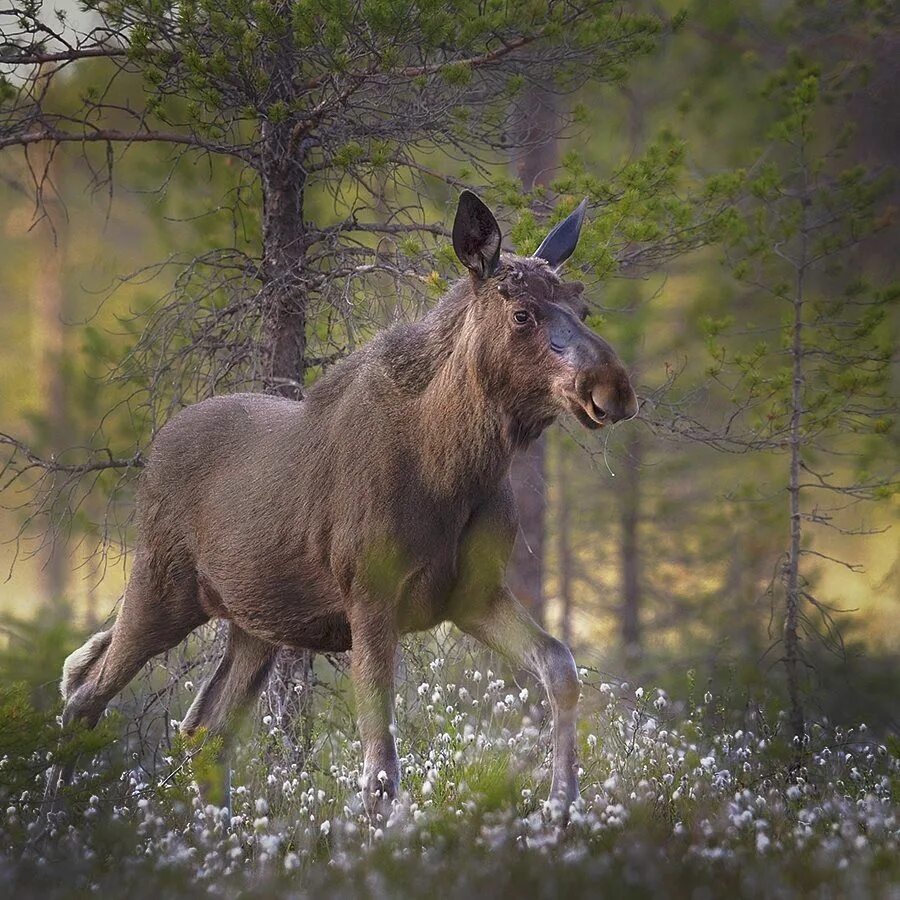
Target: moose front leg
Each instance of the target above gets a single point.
(505, 626)
(372, 667)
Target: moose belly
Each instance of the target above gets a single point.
(293, 610)
(326, 634)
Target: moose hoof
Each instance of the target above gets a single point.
(379, 792)
(562, 795)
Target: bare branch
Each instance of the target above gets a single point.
(111, 136)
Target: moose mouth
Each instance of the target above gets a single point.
(588, 413)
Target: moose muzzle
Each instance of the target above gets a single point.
(602, 393)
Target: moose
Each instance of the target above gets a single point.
(378, 505)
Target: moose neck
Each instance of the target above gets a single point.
(470, 429)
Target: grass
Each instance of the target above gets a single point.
(679, 799)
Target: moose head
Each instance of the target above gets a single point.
(533, 345)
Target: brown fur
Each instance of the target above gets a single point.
(378, 505)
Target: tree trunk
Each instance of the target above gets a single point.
(564, 547)
(528, 471)
(49, 308)
(526, 568)
(284, 246)
(630, 489)
(630, 548)
(793, 591)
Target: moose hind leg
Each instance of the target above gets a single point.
(238, 677)
(156, 614)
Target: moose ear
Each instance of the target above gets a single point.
(476, 236)
(560, 244)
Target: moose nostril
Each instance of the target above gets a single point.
(599, 403)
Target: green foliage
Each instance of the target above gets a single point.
(23, 730)
(30, 739)
(809, 211)
(34, 654)
(196, 760)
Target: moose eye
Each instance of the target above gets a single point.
(521, 317)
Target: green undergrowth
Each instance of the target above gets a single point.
(679, 798)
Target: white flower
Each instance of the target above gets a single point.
(262, 807)
(291, 862)
(325, 827)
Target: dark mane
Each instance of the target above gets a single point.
(409, 354)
